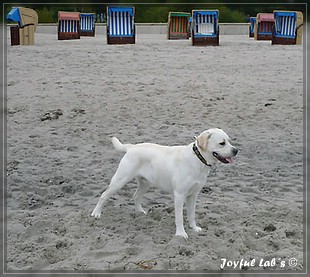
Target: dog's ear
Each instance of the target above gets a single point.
(202, 140)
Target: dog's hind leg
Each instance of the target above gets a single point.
(141, 190)
(124, 174)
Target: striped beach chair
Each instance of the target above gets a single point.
(252, 25)
(264, 26)
(178, 25)
(120, 25)
(288, 27)
(68, 25)
(87, 22)
(205, 27)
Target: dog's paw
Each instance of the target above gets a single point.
(143, 211)
(96, 214)
(197, 229)
(140, 209)
(182, 234)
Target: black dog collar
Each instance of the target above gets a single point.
(200, 157)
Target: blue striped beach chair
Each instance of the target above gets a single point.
(205, 27)
(252, 25)
(120, 25)
(264, 26)
(288, 27)
(87, 22)
(68, 25)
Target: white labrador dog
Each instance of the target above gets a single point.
(183, 170)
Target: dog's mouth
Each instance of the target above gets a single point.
(224, 160)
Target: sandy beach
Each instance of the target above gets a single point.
(66, 99)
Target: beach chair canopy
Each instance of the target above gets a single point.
(128, 10)
(205, 22)
(68, 16)
(23, 16)
(87, 21)
(265, 17)
(285, 24)
(265, 23)
(14, 15)
(184, 14)
(120, 21)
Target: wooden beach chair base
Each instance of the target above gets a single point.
(178, 36)
(65, 36)
(205, 41)
(87, 33)
(283, 41)
(121, 40)
(264, 36)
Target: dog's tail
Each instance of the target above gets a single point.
(119, 146)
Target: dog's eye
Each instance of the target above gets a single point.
(222, 143)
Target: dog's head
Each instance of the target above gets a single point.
(215, 146)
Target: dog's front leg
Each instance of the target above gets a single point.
(190, 206)
(178, 206)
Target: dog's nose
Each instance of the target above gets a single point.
(235, 151)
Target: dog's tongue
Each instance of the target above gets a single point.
(230, 160)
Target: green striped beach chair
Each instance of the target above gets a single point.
(178, 25)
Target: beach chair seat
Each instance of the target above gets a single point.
(178, 25)
(87, 22)
(205, 27)
(68, 25)
(120, 25)
(288, 27)
(264, 26)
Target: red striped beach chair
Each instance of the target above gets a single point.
(120, 25)
(205, 27)
(87, 22)
(68, 25)
(178, 25)
(288, 27)
(264, 26)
